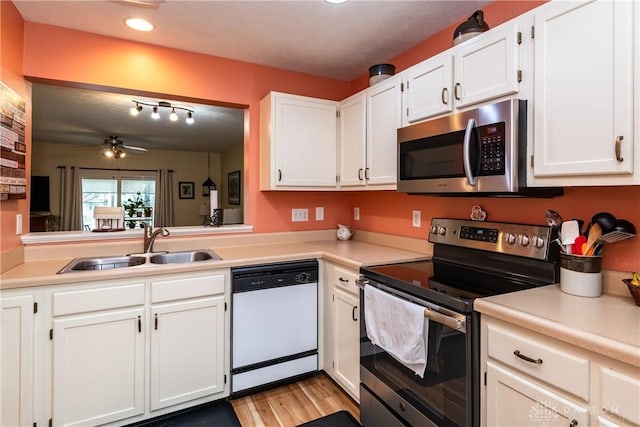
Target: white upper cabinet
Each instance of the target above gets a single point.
(484, 68)
(584, 93)
(298, 143)
(353, 140)
(369, 122)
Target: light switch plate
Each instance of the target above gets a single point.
(356, 214)
(417, 219)
(319, 213)
(19, 224)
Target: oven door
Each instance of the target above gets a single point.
(448, 393)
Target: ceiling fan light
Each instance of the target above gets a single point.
(173, 116)
(189, 118)
(120, 154)
(107, 153)
(155, 115)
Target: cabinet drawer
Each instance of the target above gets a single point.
(620, 395)
(546, 362)
(86, 300)
(346, 279)
(188, 287)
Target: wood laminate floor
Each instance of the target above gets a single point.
(293, 404)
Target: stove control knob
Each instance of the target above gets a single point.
(434, 229)
(525, 240)
(442, 231)
(538, 242)
(510, 238)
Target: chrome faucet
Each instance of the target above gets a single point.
(150, 236)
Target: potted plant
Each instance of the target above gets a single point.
(133, 207)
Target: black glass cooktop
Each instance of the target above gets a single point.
(448, 284)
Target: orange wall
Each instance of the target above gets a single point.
(11, 55)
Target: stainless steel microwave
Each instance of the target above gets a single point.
(480, 151)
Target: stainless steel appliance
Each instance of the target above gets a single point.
(274, 323)
(476, 151)
(470, 260)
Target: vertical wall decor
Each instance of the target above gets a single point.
(13, 179)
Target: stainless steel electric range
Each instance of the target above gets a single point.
(470, 260)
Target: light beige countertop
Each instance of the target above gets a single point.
(351, 254)
(609, 325)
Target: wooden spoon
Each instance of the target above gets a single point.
(594, 234)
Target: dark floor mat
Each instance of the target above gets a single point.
(338, 419)
(218, 414)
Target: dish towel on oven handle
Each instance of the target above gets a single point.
(398, 326)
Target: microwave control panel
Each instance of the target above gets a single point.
(492, 150)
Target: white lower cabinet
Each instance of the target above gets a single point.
(98, 367)
(17, 322)
(126, 350)
(342, 330)
(532, 380)
(513, 400)
(187, 344)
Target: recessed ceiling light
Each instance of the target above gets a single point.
(335, 1)
(139, 24)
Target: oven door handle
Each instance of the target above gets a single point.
(452, 322)
(466, 153)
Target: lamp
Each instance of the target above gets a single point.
(208, 185)
(473, 26)
(155, 114)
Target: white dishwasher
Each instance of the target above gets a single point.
(274, 326)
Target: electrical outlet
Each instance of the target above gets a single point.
(19, 224)
(356, 214)
(299, 215)
(417, 219)
(319, 213)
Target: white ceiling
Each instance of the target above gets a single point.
(315, 37)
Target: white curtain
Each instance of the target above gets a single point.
(164, 198)
(70, 199)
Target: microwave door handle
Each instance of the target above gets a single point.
(466, 153)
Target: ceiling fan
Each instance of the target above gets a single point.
(116, 148)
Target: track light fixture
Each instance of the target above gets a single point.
(155, 114)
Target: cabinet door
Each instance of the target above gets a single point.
(187, 351)
(428, 89)
(487, 68)
(346, 342)
(583, 90)
(384, 117)
(353, 134)
(98, 367)
(16, 360)
(513, 400)
(305, 131)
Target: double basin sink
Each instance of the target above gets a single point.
(113, 262)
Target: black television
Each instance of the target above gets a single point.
(40, 194)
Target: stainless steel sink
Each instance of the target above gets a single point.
(184, 257)
(112, 262)
(102, 263)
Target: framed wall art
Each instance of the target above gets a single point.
(233, 185)
(186, 190)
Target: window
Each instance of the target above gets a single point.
(113, 188)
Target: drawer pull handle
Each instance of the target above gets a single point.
(155, 321)
(139, 324)
(342, 279)
(527, 358)
(617, 148)
(353, 313)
